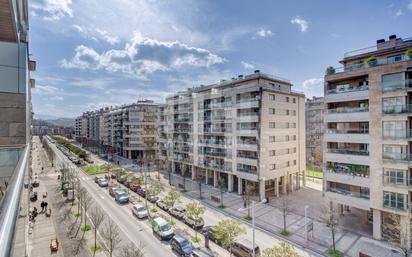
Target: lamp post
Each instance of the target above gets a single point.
(306, 222)
(253, 221)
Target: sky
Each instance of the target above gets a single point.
(93, 53)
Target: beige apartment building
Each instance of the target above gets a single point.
(368, 147)
(131, 132)
(247, 133)
(314, 110)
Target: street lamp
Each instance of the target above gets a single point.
(253, 221)
(306, 222)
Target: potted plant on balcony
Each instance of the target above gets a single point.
(371, 61)
(408, 54)
(330, 70)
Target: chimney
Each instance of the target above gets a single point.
(257, 71)
(392, 37)
(240, 77)
(380, 41)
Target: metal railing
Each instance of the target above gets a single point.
(397, 108)
(10, 203)
(348, 109)
(396, 85)
(347, 89)
(373, 48)
(347, 192)
(348, 151)
(348, 131)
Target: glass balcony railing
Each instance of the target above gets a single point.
(348, 192)
(349, 169)
(397, 108)
(349, 109)
(396, 85)
(348, 131)
(347, 89)
(246, 170)
(348, 151)
(397, 134)
(397, 156)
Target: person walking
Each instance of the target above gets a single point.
(42, 206)
(45, 205)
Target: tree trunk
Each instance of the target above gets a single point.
(333, 238)
(95, 240)
(284, 222)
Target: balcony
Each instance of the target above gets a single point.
(247, 103)
(347, 156)
(348, 151)
(347, 177)
(403, 157)
(347, 92)
(397, 109)
(397, 134)
(349, 135)
(347, 114)
(349, 198)
(388, 86)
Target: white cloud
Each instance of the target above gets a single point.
(45, 90)
(247, 65)
(313, 87)
(303, 24)
(262, 33)
(94, 33)
(52, 9)
(57, 98)
(399, 13)
(142, 56)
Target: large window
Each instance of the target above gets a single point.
(394, 129)
(392, 81)
(394, 200)
(394, 176)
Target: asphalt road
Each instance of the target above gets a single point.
(136, 231)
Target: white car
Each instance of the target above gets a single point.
(139, 211)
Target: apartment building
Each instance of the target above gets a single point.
(89, 129)
(15, 122)
(368, 121)
(131, 132)
(314, 113)
(247, 133)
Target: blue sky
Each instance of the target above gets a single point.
(94, 53)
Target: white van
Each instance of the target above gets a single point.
(162, 228)
(139, 211)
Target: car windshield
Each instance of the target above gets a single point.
(140, 208)
(165, 227)
(186, 245)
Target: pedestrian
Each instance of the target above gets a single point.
(45, 205)
(42, 206)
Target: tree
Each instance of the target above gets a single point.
(171, 199)
(220, 182)
(330, 217)
(284, 206)
(398, 233)
(283, 249)
(111, 236)
(97, 216)
(199, 179)
(194, 211)
(87, 202)
(227, 231)
(156, 187)
(132, 251)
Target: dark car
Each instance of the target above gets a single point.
(181, 246)
(162, 205)
(195, 224)
(141, 191)
(201, 253)
(177, 212)
(209, 231)
(244, 248)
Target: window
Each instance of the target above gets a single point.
(394, 200)
(394, 176)
(294, 100)
(272, 124)
(393, 59)
(394, 129)
(392, 81)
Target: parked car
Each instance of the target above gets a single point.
(141, 191)
(152, 198)
(162, 205)
(244, 248)
(134, 187)
(181, 246)
(195, 224)
(209, 231)
(139, 211)
(122, 179)
(103, 182)
(162, 229)
(121, 197)
(96, 179)
(177, 212)
(112, 190)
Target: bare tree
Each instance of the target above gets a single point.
(111, 236)
(284, 206)
(199, 179)
(132, 251)
(97, 216)
(398, 233)
(330, 217)
(221, 184)
(87, 202)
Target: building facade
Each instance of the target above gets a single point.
(246, 134)
(15, 124)
(131, 132)
(367, 156)
(314, 112)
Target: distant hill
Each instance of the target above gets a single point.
(54, 120)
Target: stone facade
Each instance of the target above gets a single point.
(314, 112)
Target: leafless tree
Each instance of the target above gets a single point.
(199, 179)
(398, 233)
(330, 217)
(111, 236)
(284, 206)
(87, 202)
(97, 216)
(132, 251)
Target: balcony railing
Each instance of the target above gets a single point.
(348, 192)
(397, 134)
(396, 85)
(397, 157)
(245, 170)
(348, 131)
(348, 109)
(348, 151)
(347, 89)
(397, 108)
(10, 203)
